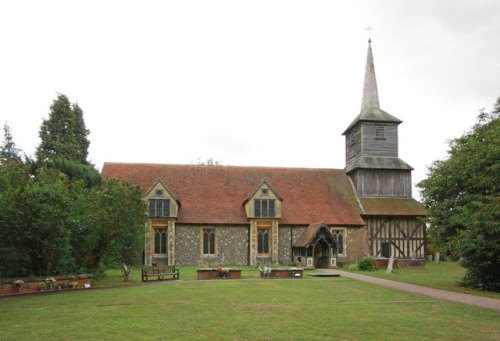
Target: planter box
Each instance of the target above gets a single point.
(31, 284)
(219, 273)
(284, 273)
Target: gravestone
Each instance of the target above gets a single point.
(436, 257)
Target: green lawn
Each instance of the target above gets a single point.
(311, 309)
(443, 275)
(114, 278)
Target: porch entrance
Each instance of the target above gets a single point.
(322, 254)
(318, 245)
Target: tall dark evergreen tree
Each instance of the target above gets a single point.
(64, 143)
(8, 149)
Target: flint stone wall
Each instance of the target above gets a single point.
(232, 245)
(288, 235)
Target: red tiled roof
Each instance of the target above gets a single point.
(308, 235)
(393, 206)
(215, 194)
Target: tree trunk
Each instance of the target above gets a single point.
(126, 272)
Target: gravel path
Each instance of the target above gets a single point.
(483, 302)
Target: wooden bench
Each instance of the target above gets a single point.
(159, 272)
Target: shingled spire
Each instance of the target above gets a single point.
(370, 92)
(370, 106)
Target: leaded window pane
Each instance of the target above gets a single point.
(157, 241)
(163, 241)
(212, 243)
(159, 207)
(340, 243)
(165, 208)
(264, 208)
(205, 242)
(263, 241)
(152, 208)
(160, 245)
(257, 208)
(271, 209)
(209, 242)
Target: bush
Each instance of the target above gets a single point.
(366, 264)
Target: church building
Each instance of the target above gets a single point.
(301, 216)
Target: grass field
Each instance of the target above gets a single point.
(443, 275)
(114, 278)
(340, 309)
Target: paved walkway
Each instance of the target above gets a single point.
(483, 302)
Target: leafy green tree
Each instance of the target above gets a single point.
(463, 196)
(35, 222)
(111, 227)
(14, 258)
(64, 142)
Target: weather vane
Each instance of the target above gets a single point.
(369, 29)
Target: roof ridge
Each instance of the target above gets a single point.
(220, 166)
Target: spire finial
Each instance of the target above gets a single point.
(370, 91)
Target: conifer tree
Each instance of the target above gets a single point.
(64, 143)
(8, 149)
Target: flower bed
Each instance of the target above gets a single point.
(282, 273)
(13, 286)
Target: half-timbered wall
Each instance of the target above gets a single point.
(402, 237)
(382, 182)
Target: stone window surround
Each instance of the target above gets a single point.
(265, 225)
(157, 226)
(216, 249)
(260, 235)
(162, 231)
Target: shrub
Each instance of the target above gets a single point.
(366, 264)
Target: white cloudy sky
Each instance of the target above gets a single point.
(262, 83)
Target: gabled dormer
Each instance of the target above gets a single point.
(263, 202)
(161, 202)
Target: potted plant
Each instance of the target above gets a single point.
(19, 284)
(51, 281)
(223, 272)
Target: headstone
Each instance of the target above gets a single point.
(436, 257)
(390, 265)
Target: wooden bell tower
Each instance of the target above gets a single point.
(372, 160)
